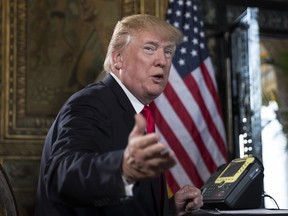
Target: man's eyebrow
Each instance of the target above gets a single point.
(152, 43)
(158, 45)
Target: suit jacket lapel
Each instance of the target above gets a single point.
(123, 100)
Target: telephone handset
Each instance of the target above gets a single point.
(237, 185)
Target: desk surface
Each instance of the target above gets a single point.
(205, 212)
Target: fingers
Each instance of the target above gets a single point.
(160, 163)
(142, 156)
(139, 127)
(195, 198)
(139, 139)
(137, 134)
(187, 199)
(154, 149)
(142, 163)
(195, 204)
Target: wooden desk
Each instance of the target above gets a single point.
(256, 212)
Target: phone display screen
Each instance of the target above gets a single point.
(232, 169)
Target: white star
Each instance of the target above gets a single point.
(188, 3)
(186, 27)
(202, 46)
(169, 11)
(195, 18)
(195, 7)
(178, 13)
(181, 62)
(176, 24)
(180, 3)
(202, 34)
(195, 41)
(187, 15)
(183, 50)
(185, 38)
(194, 53)
(195, 30)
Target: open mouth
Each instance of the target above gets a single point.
(158, 79)
(158, 76)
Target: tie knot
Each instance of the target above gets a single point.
(150, 124)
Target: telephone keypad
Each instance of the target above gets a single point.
(217, 190)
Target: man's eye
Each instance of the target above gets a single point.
(149, 49)
(169, 53)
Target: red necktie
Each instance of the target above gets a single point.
(150, 124)
(150, 128)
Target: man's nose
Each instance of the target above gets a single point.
(160, 58)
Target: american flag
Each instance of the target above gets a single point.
(188, 114)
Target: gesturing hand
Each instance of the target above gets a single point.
(142, 156)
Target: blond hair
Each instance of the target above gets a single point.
(135, 23)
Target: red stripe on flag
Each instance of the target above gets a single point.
(186, 119)
(177, 147)
(172, 183)
(194, 89)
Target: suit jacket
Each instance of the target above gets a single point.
(80, 171)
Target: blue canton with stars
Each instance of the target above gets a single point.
(185, 15)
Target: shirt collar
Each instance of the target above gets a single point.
(137, 105)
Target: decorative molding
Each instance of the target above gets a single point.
(18, 125)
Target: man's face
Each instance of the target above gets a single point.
(145, 65)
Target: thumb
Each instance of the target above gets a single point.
(139, 127)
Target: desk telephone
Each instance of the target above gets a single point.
(237, 185)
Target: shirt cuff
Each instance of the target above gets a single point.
(128, 187)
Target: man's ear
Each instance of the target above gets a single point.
(117, 60)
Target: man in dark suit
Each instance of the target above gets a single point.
(97, 158)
